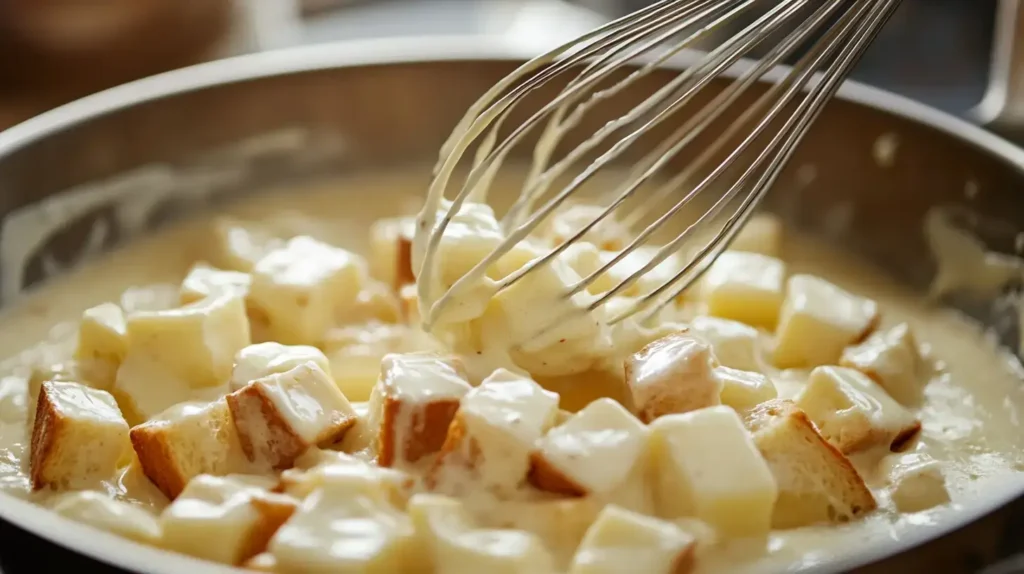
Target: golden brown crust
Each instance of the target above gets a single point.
(403, 261)
(47, 427)
(544, 476)
(687, 560)
(905, 437)
(157, 459)
(457, 449)
(426, 434)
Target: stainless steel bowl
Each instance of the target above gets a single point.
(226, 129)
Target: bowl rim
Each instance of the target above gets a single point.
(121, 552)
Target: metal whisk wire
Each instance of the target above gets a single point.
(607, 50)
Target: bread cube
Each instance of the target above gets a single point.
(917, 482)
(98, 510)
(375, 302)
(263, 359)
(762, 234)
(239, 246)
(205, 281)
(102, 343)
(624, 541)
(144, 389)
(593, 453)
(67, 372)
(672, 375)
(263, 562)
(560, 522)
(454, 544)
(343, 469)
(223, 520)
(281, 415)
(391, 251)
(816, 483)
(608, 234)
(470, 236)
(892, 359)
(355, 353)
(155, 297)
(708, 467)
(745, 287)
(493, 433)
(734, 344)
(187, 440)
(195, 343)
(853, 412)
(413, 404)
(300, 287)
(78, 437)
(410, 304)
(743, 390)
(818, 320)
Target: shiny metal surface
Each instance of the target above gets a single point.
(394, 102)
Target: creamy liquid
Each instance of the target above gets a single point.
(970, 421)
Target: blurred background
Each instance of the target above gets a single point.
(943, 52)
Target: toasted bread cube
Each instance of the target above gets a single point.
(239, 247)
(818, 320)
(853, 412)
(708, 467)
(375, 302)
(608, 234)
(493, 434)
(743, 390)
(205, 281)
(187, 440)
(338, 468)
(78, 437)
(391, 251)
(102, 344)
(734, 344)
(893, 360)
(223, 520)
(672, 375)
(917, 482)
(745, 287)
(762, 234)
(155, 297)
(340, 528)
(593, 453)
(196, 343)
(355, 353)
(263, 359)
(624, 541)
(817, 484)
(300, 287)
(413, 404)
(281, 415)
(100, 511)
(68, 372)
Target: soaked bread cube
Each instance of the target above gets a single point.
(299, 288)
(892, 359)
(223, 520)
(239, 246)
(355, 353)
(816, 483)
(608, 234)
(413, 405)
(818, 320)
(330, 467)
(707, 467)
(154, 297)
(391, 251)
(745, 287)
(375, 302)
(78, 437)
(672, 375)
(917, 482)
(410, 304)
(743, 390)
(263, 359)
(67, 372)
(734, 344)
(470, 236)
(280, 416)
(102, 344)
(205, 281)
(185, 441)
(853, 412)
(762, 234)
(624, 541)
(560, 522)
(98, 510)
(593, 453)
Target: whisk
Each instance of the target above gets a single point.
(602, 64)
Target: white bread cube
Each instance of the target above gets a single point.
(624, 541)
(734, 344)
(223, 520)
(762, 234)
(818, 320)
(743, 390)
(239, 246)
(816, 483)
(341, 529)
(155, 297)
(67, 372)
(608, 234)
(917, 482)
(78, 437)
(263, 359)
(708, 467)
(375, 302)
(195, 343)
(205, 281)
(391, 251)
(187, 440)
(853, 412)
(102, 344)
(492, 435)
(101, 511)
(593, 453)
(454, 544)
(745, 287)
(672, 375)
(355, 353)
(344, 469)
(280, 416)
(413, 404)
(144, 389)
(301, 286)
(560, 522)
(470, 236)
(892, 359)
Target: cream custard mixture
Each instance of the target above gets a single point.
(255, 389)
